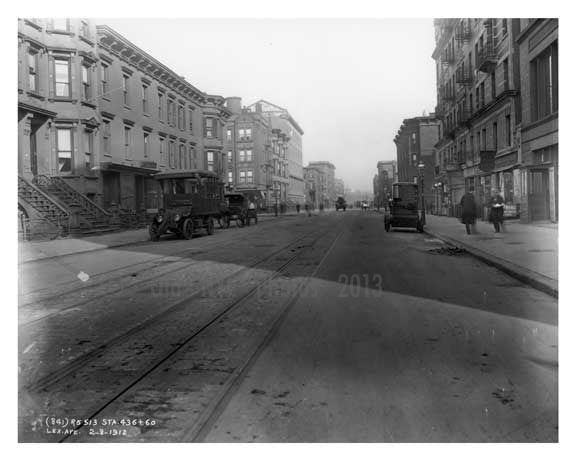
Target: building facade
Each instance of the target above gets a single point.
(339, 188)
(289, 134)
(315, 186)
(328, 194)
(99, 116)
(415, 143)
(538, 48)
(383, 180)
(478, 90)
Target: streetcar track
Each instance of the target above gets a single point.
(182, 343)
(87, 300)
(80, 361)
(201, 427)
(187, 253)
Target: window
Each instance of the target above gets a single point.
(32, 70)
(544, 83)
(477, 98)
(104, 78)
(192, 157)
(241, 134)
(172, 155)
(248, 155)
(64, 149)
(88, 150)
(145, 98)
(191, 120)
(495, 135)
(127, 142)
(86, 82)
(181, 118)
(182, 157)
(482, 95)
(106, 141)
(146, 144)
(228, 135)
(242, 177)
(84, 29)
(249, 176)
(62, 77)
(230, 177)
(171, 108)
(248, 134)
(493, 84)
(229, 156)
(508, 130)
(209, 131)
(60, 24)
(161, 107)
(210, 160)
(483, 146)
(125, 89)
(162, 151)
(242, 156)
(506, 75)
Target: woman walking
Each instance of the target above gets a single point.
(468, 205)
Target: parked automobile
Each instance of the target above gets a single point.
(404, 209)
(340, 204)
(191, 200)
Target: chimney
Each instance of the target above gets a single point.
(234, 104)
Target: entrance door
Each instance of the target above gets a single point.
(538, 195)
(33, 151)
(111, 189)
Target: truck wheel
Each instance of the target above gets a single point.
(210, 226)
(188, 229)
(154, 231)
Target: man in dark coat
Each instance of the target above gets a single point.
(468, 205)
(497, 211)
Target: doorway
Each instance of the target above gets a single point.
(538, 192)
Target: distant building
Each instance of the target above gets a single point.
(328, 194)
(339, 187)
(415, 143)
(315, 186)
(290, 134)
(256, 156)
(386, 176)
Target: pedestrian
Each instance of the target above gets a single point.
(298, 208)
(468, 205)
(307, 209)
(496, 216)
(321, 208)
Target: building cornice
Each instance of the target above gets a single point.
(116, 44)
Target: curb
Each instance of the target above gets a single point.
(537, 281)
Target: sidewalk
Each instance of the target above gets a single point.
(38, 250)
(528, 252)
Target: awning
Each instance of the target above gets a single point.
(145, 168)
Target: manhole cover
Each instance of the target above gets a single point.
(514, 243)
(448, 251)
(541, 251)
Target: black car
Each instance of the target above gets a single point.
(340, 204)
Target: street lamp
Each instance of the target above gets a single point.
(421, 176)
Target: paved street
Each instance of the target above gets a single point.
(299, 329)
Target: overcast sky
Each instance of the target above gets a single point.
(349, 83)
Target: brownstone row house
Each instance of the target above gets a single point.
(97, 116)
(497, 89)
